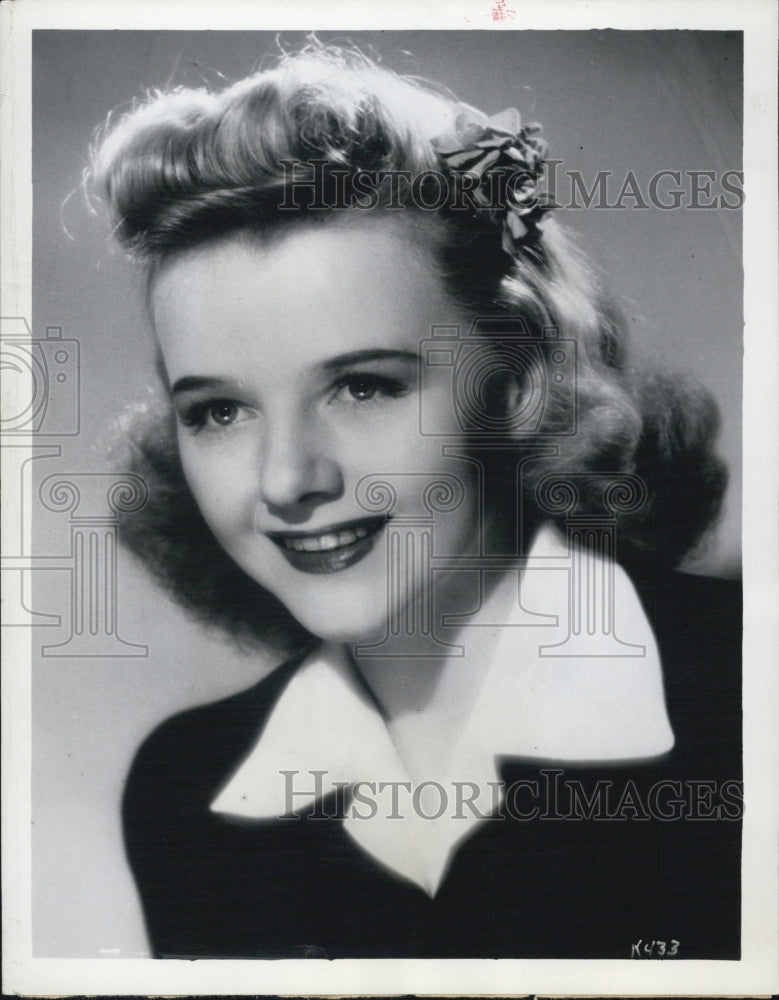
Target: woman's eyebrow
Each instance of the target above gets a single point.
(373, 354)
(190, 382)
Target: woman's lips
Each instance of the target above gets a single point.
(332, 549)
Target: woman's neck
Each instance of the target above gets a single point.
(426, 700)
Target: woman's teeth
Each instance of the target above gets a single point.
(323, 543)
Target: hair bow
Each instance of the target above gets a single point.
(507, 158)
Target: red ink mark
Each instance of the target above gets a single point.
(501, 11)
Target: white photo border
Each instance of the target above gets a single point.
(757, 971)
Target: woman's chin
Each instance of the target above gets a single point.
(348, 632)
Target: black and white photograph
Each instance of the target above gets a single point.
(388, 441)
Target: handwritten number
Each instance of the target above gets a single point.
(654, 948)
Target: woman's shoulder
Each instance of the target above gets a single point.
(186, 757)
(697, 621)
(693, 612)
(673, 585)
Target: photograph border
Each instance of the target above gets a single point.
(758, 969)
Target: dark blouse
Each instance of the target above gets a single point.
(589, 862)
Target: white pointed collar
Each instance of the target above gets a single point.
(535, 703)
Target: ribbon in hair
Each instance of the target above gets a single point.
(499, 150)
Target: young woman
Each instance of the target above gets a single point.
(402, 442)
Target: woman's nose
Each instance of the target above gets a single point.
(296, 469)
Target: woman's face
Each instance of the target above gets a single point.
(294, 370)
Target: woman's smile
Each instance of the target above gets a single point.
(332, 549)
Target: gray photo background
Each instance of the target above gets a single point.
(617, 101)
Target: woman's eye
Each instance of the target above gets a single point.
(214, 414)
(362, 389)
(223, 413)
(365, 388)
